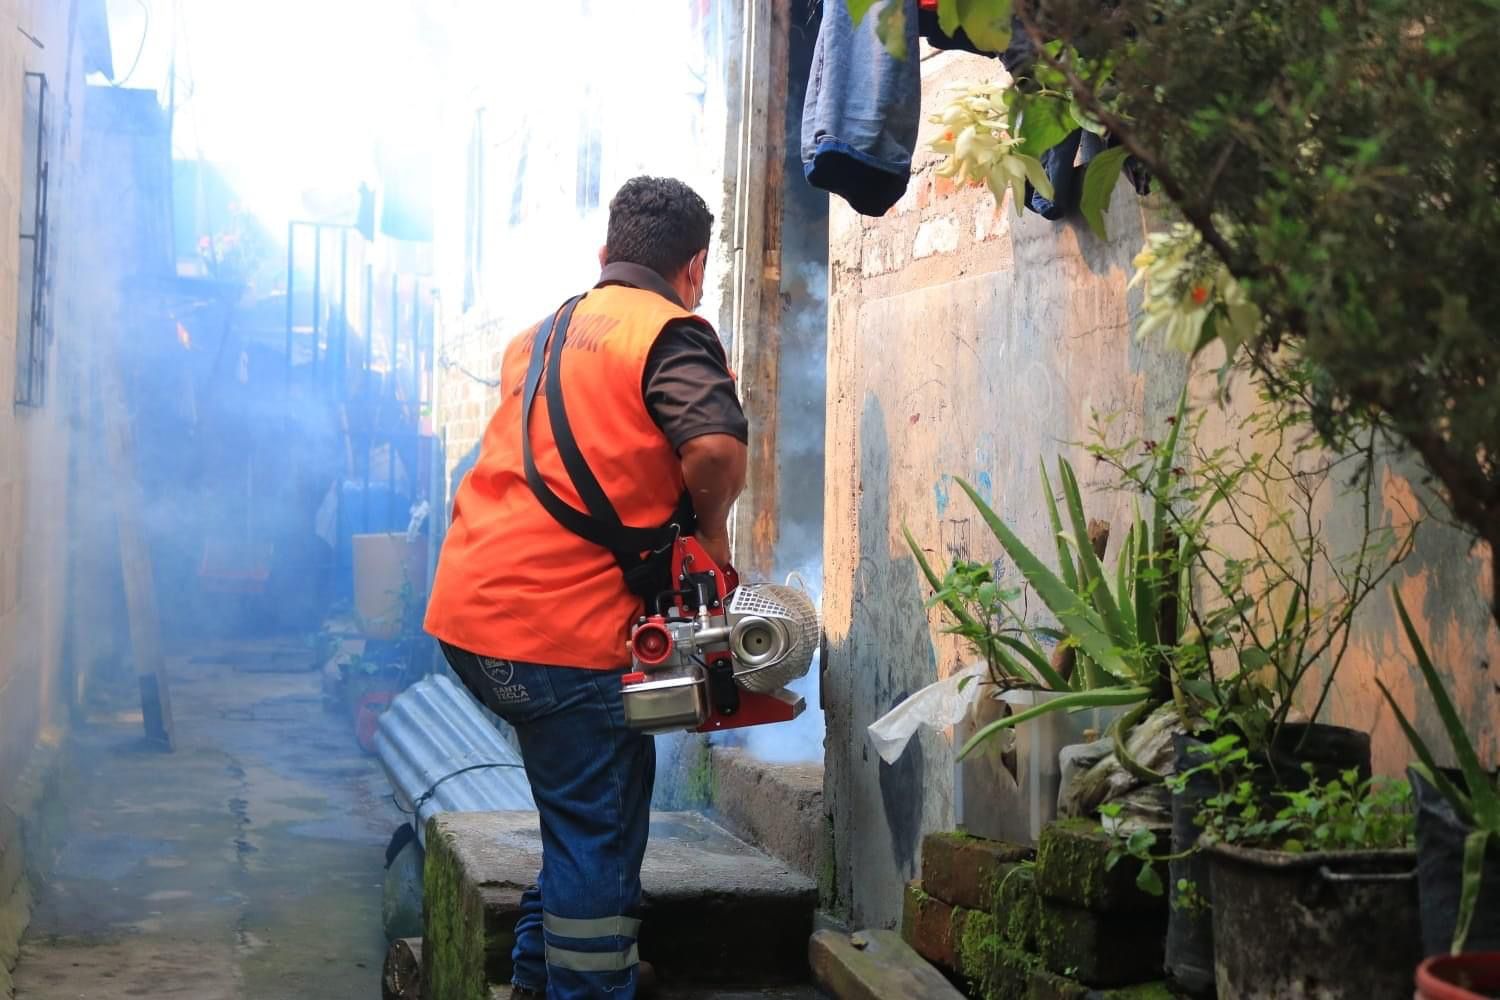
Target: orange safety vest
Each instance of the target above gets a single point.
(512, 583)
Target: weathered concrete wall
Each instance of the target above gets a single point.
(962, 341)
(965, 341)
(35, 443)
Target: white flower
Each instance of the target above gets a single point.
(1186, 284)
(980, 149)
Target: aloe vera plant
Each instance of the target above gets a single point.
(1123, 625)
(1478, 803)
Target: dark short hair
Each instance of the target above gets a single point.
(658, 222)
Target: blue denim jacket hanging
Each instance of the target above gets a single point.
(859, 122)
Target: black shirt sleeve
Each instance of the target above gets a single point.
(688, 389)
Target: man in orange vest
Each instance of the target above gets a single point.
(618, 427)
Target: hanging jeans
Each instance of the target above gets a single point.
(860, 116)
(592, 779)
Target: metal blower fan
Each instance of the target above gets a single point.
(773, 635)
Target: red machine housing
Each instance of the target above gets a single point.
(651, 643)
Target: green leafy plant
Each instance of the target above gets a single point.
(1121, 626)
(1343, 813)
(1276, 593)
(1335, 159)
(1477, 803)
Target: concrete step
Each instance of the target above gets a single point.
(716, 911)
(712, 993)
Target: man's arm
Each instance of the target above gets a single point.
(691, 396)
(714, 467)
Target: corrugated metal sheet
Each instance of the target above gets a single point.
(432, 732)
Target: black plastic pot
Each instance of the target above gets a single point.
(1334, 925)
(1190, 921)
(1440, 865)
(1190, 934)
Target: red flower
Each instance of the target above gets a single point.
(1200, 294)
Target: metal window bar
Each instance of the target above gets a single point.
(33, 335)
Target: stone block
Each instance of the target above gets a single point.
(874, 965)
(928, 925)
(775, 807)
(1017, 909)
(968, 871)
(994, 969)
(1142, 991)
(714, 909)
(1072, 867)
(1044, 985)
(1101, 949)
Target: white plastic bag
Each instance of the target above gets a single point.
(937, 706)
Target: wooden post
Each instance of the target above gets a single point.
(135, 564)
(757, 332)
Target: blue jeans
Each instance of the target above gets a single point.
(592, 780)
(860, 115)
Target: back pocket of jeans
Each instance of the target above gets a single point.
(517, 692)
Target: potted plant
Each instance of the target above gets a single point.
(1114, 630)
(1458, 828)
(1459, 977)
(1314, 890)
(1109, 653)
(1273, 604)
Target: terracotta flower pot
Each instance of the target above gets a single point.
(1473, 976)
(367, 717)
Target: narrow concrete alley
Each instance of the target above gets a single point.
(246, 865)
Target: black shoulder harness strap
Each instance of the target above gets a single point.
(601, 524)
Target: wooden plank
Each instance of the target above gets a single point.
(874, 965)
(135, 565)
(757, 345)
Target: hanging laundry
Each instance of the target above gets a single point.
(1065, 165)
(859, 122)
(1016, 58)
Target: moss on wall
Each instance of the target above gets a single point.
(453, 950)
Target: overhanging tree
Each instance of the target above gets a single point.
(1342, 159)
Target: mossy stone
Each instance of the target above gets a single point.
(994, 969)
(1142, 991)
(1118, 949)
(1072, 866)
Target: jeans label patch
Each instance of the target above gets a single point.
(502, 677)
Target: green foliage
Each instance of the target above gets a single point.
(1343, 813)
(1278, 592)
(1112, 621)
(1135, 843)
(1342, 159)
(1477, 803)
(1098, 184)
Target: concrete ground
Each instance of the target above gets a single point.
(246, 865)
